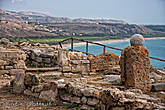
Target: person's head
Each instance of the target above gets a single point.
(137, 40)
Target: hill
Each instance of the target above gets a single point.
(43, 18)
(34, 24)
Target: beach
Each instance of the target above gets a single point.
(108, 41)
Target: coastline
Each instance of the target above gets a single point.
(112, 40)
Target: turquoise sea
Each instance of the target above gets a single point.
(156, 48)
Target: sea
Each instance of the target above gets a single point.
(156, 48)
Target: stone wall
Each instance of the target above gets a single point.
(12, 61)
(86, 96)
(74, 62)
(43, 55)
(103, 61)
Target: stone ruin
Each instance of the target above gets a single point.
(77, 77)
(135, 65)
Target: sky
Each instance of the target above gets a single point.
(131, 11)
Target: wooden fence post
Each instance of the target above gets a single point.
(87, 48)
(71, 44)
(104, 50)
(60, 44)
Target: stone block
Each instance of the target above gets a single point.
(49, 95)
(62, 59)
(85, 61)
(38, 59)
(76, 55)
(84, 100)
(68, 97)
(46, 55)
(2, 67)
(92, 101)
(29, 93)
(75, 62)
(155, 76)
(20, 65)
(8, 67)
(4, 72)
(86, 107)
(76, 68)
(158, 87)
(31, 80)
(66, 69)
(46, 60)
(88, 91)
(37, 88)
(18, 84)
(2, 62)
(15, 71)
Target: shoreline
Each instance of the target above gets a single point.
(111, 40)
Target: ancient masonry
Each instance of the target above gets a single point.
(76, 79)
(135, 65)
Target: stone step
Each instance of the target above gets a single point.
(158, 87)
(42, 69)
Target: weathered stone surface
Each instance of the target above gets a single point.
(88, 91)
(76, 56)
(31, 80)
(135, 68)
(158, 87)
(46, 60)
(4, 41)
(68, 97)
(8, 67)
(111, 78)
(84, 100)
(66, 69)
(4, 72)
(48, 95)
(85, 61)
(15, 71)
(62, 59)
(161, 95)
(29, 93)
(155, 76)
(2, 62)
(92, 101)
(137, 40)
(117, 108)
(103, 61)
(37, 88)
(75, 62)
(18, 84)
(20, 65)
(86, 107)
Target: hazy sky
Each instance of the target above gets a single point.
(131, 11)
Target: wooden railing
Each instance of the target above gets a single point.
(87, 42)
